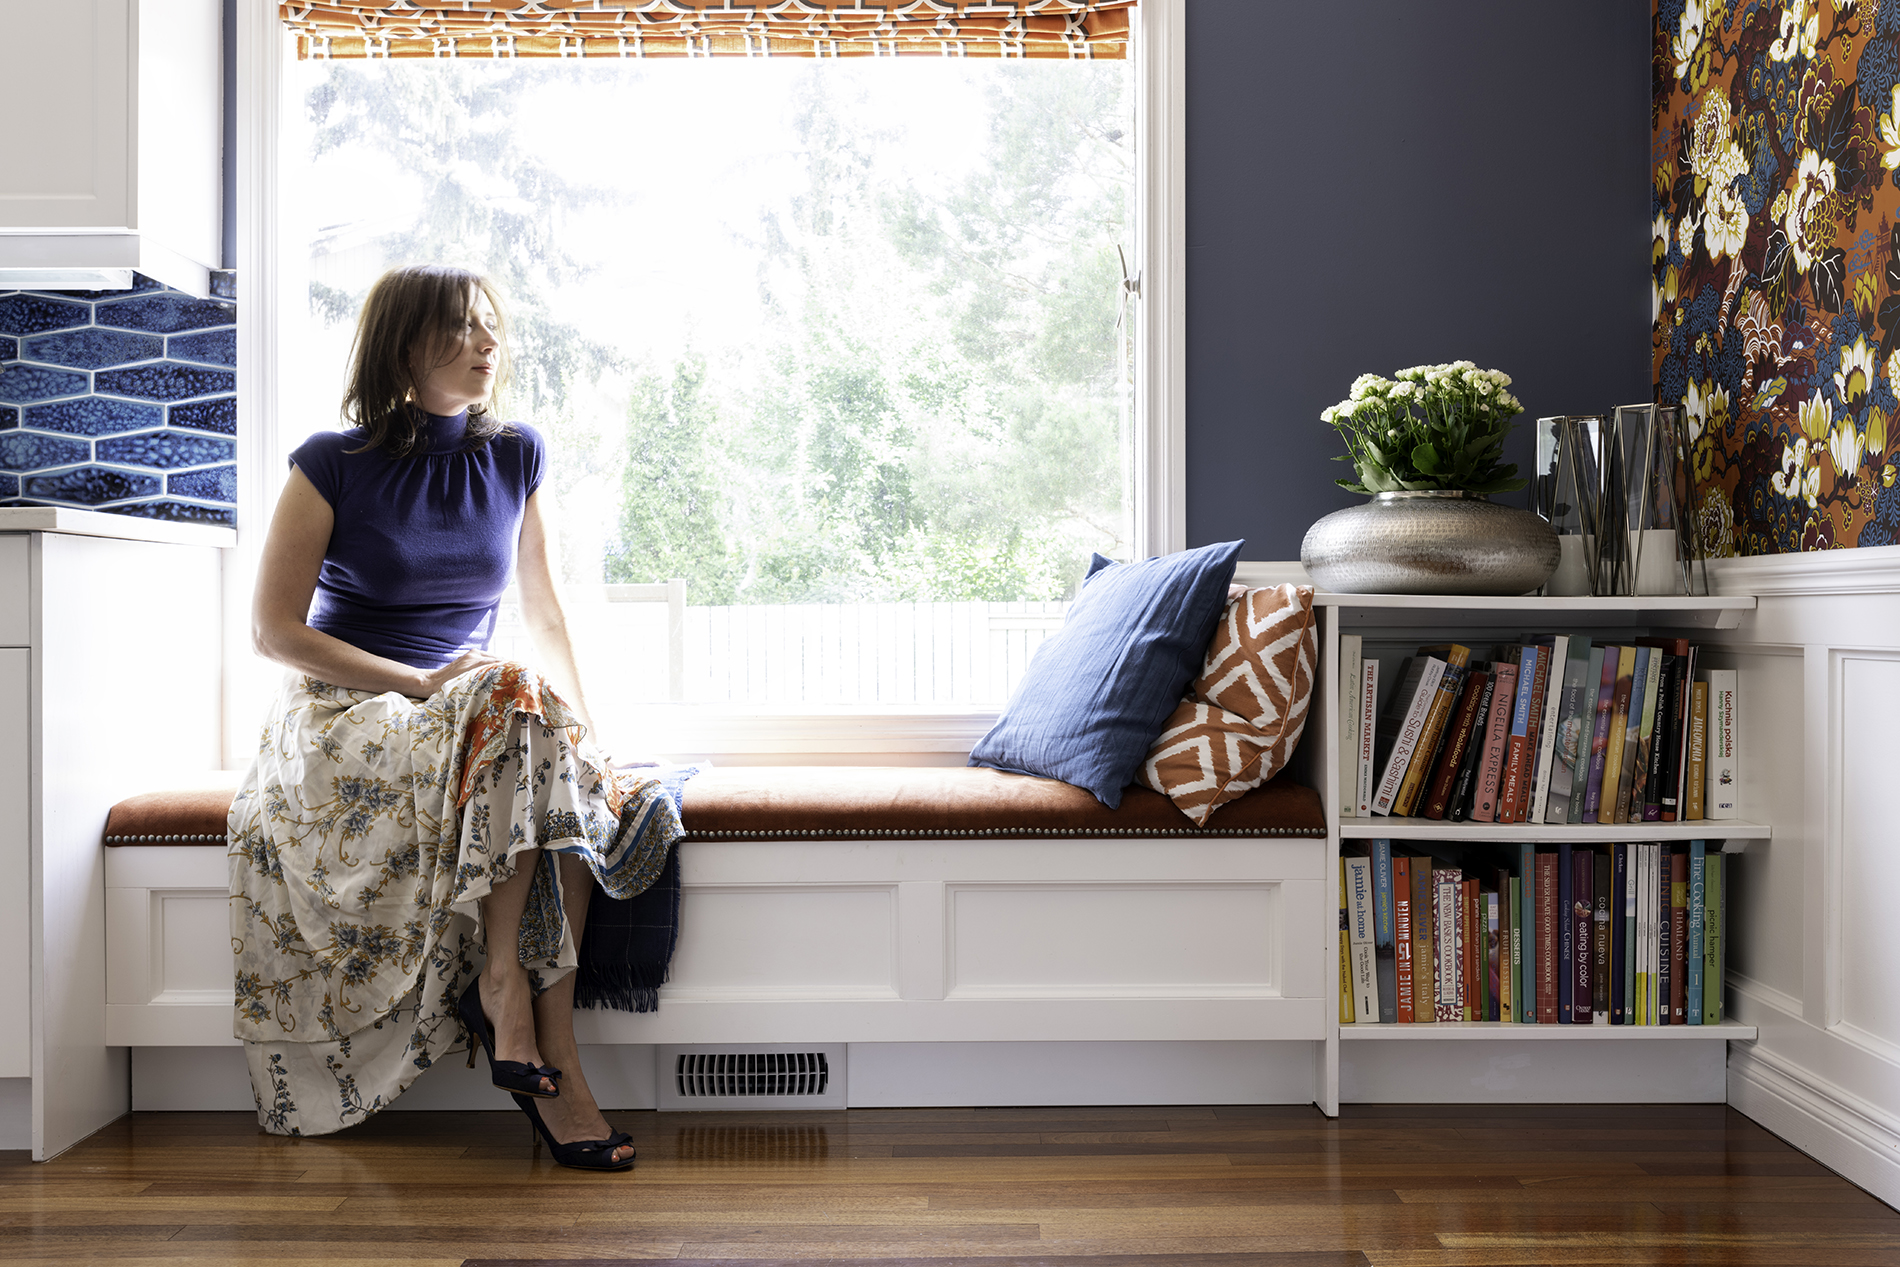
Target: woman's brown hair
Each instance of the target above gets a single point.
(411, 316)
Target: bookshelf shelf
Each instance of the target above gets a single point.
(1715, 611)
(1498, 1031)
(1726, 829)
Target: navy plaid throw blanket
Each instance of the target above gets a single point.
(627, 946)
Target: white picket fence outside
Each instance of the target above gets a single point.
(643, 644)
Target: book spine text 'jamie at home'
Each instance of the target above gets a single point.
(1365, 980)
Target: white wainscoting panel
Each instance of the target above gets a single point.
(168, 930)
(784, 941)
(1812, 942)
(1867, 872)
(1160, 940)
(1771, 684)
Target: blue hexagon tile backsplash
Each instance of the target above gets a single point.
(120, 400)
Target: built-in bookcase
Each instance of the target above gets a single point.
(1469, 1061)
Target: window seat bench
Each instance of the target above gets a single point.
(861, 904)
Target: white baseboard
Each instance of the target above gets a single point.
(213, 1079)
(880, 1075)
(1837, 1129)
(918, 1075)
(16, 1113)
(1527, 1072)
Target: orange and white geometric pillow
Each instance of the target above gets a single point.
(1244, 713)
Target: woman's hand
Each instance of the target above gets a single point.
(433, 682)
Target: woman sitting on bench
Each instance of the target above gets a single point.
(400, 826)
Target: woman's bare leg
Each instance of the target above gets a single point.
(506, 996)
(575, 1116)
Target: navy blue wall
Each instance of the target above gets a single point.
(1387, 184)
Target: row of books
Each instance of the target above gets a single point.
(1625, 934)
(1558, 730)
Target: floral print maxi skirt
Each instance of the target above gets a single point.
(361, 843)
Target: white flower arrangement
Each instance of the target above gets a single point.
(1428, 427)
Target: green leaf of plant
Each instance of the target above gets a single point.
(1425, 457)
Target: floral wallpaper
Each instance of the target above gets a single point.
(1776, 251)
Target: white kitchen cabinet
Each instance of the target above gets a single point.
(114, 692)
(16, 1051)
(114, 150)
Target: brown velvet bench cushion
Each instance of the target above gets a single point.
(843, 803)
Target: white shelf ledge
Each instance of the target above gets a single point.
(1707, 611)
(1731, 830)
(1499, 1031)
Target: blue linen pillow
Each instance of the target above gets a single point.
(1098, 692)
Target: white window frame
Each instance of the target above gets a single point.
(883, 735)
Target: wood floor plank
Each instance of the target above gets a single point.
(1237, 1186)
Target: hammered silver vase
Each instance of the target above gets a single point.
(1437, 542)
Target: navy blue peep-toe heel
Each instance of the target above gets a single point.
(514, 1076)
(585, 1154)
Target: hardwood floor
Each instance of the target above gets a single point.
(1391, 1186)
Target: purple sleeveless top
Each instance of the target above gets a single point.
(424, 545)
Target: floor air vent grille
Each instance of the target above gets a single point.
(729, 1074)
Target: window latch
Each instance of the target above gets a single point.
(1131, 288)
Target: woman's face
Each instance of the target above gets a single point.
(462, 370)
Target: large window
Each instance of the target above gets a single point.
(832, 356)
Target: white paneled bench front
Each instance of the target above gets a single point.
(863, 905)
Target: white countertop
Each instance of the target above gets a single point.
(94, 523)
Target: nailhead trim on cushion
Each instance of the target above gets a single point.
(165, 840)
(994, 833)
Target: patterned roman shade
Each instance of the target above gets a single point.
(1076, 29)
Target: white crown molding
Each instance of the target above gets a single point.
(1870, 570)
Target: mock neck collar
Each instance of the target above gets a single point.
(439, 434)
